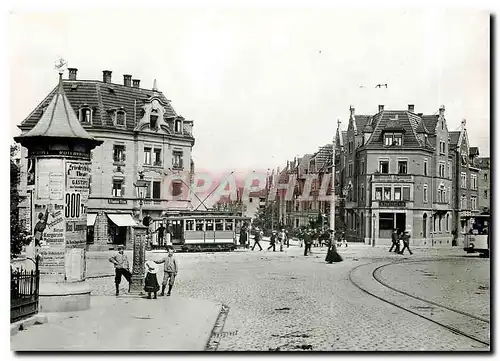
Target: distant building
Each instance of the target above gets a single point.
(484, 189)
(141, 132)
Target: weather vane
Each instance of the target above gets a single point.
(61, 65)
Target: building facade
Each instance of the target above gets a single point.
(484, 194)
(141, 133)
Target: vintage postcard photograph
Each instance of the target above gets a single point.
(285, 179)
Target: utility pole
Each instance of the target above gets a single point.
(332, 199)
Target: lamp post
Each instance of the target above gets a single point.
(139, 248)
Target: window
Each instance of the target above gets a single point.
(153, 119)
(473, 203)
(148, 190)
(177, 162)
(362, 192)
(189, 225)
(378, 193)
(118, 188)
(463, 177)
(228, 225)
(425, 193)
(120, 118)
(209, 225)
(397, 193)
(156, 189)
(147, 155)
(473, 181)
(85, 116)
(118, 153)
(406, 193)
(402, 167)
(350, 170)
(440, 222)
(176, 189)
(485, 177)
(486, 194)
(441, 170)
(393, 139)
(449, 195)
(178, 126)
(362, 171)
(219, 224)
(463, 202)
(442, 147)
(200, 224)
(447, 222)
(425, 167)
(384, 167)
(157, 158)
(387, 194)
(449, 170)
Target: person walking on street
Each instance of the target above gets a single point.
(307, 242)
(281, 237)
(332, 254)
(244, 235)
(120, 261)
(406, 242)
(257, 239)
(272, 241)
(343, 239)
(161, 234)
(287, 239)
(395, 241)
(170, 271)
(151, 282)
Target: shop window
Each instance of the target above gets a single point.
(387, 194)
(378, 194)
(397, 193)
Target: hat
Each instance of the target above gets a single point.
(151, 267)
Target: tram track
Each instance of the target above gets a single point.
(459, 322)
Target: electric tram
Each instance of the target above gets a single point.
(477, 238)
(198, 231)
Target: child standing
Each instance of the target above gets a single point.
(151, 282)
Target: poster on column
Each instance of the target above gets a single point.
(75, 203)
(48, 217)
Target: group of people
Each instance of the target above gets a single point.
(399, 240)
(151, 285)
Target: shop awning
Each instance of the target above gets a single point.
(122, 220)
(91, 219)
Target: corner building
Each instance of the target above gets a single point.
(141, 132)
(397, 174)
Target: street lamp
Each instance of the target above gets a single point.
(141, 187)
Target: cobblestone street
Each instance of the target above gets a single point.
(285, 301)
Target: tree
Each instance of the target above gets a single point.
(18, 238)
(267, 217)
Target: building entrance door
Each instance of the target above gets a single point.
(401, 222)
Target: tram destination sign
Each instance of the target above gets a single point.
(395, 204)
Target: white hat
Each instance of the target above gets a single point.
(151, 267)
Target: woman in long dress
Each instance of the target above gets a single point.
(332, 254)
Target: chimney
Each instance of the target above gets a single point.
(411, 108)
(106, 76)
(127, 80)
(441, 111)
(72, 73)
(135, 83)
(352, 110)
(380, 108)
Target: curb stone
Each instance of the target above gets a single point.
(24, 324)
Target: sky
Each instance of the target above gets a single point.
(265, 85)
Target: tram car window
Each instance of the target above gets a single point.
(189, 225)
(229, 225)
(199, 225)
(209, 225)
(219, 225)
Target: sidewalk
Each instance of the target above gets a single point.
(125, 324)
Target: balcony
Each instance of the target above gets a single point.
(392, 178)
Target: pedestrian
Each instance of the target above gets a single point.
(244, 235)
(161, 234)
(332, 254)
(272, 241)
(257, 238)
(307, 242)
(287, 239)
(151, 282)
(120, 261)
(344, 239)
(168, 234)
(170, 271)
(281, 238)
(395, 241)
(406, 242)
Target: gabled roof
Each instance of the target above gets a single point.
(430, 122)
(361, 121)
(454, 136)
(103, 99)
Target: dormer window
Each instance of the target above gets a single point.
(85, 115)
(178, 126)
(120, 118)
(153, 119)
(393, 139)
